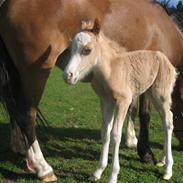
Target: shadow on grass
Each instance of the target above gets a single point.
(67, 143)
(71, 143)
(9, 175)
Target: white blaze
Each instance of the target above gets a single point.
(80, 41)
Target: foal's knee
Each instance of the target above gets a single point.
(169, 121)
(115, 137)
(105, 138)
(105, 135)
(169, 126)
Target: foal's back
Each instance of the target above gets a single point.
(139, 70)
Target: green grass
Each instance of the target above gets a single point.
(72, 143)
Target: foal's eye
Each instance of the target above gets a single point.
(86, 51)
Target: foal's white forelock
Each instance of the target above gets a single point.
(80, 40)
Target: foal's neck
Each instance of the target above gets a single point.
(109, 48)
(109, 51)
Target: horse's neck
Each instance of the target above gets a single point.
(179, 32)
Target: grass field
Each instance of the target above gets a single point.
(72, 142)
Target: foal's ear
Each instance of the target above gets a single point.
(96, 26)
(86, 25)
(92, 26)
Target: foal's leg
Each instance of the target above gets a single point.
(107, 107)
(163, 106)
(131, 139)
(143, 148)
(122, 108)
(168, 125)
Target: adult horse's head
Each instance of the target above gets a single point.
(84, 53)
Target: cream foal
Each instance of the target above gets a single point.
(119, 78)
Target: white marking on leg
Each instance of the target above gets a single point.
(168, 145)
(30, 164)
(131, 139)
(40, 165)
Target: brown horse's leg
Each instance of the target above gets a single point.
(143, 147)
(17, 143)
(34, 81)
(177, 109)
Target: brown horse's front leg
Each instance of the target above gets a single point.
(143, 147)
(36, 162)
(17, 143)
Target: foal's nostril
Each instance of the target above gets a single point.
(70, 74)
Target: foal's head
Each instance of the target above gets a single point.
(84, 53)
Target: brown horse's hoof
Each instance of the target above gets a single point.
(148, 159)
(51, 177)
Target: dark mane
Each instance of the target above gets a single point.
(169, 13)
(162, 5)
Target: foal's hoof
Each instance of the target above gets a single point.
(51, 177)
(160, 164)
(167, 176)
(93, 178)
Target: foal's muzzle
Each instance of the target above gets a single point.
(70, 77)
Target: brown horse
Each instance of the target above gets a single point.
(34, 33)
